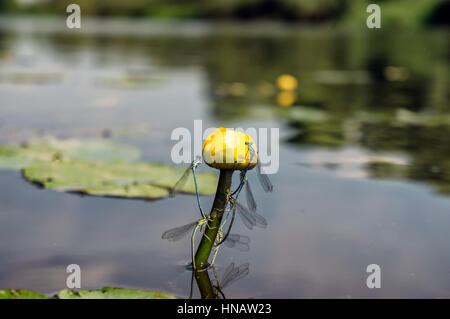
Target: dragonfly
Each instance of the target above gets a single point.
(180, 232)
(249, 218)
(182, 180)
(230, 275)
(263, 179)
(237, 241)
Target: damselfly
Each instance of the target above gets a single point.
(250, 220)
(264, 180)
(180, 183)
(182, 180)
(230, 240)
(178, 233)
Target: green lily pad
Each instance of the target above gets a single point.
(118, 179)
(98, 168)
(96, 150)
(20, 294)
(113, 293)
(104, 293)
(128, 82)
(19, 156)
(304, 114)
(31, 77)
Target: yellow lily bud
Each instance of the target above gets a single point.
(229, 149)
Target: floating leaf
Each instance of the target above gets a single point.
(31, 77)
(19, 156)
(119, 179)
(113, 293)
(20, 294)
(96, 150)
(104, 293)
(305, 114)
(97, 168)
(128, 82)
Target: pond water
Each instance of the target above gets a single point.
(364, 174)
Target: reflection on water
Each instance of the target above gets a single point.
(229, 275)
(365, 122)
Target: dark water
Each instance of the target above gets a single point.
(364, 153)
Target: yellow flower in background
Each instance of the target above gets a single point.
(229, 149)
(287, 82)
(286, 98)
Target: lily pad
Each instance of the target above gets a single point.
(113, 293)
(19, 156)
(31, 77)
(304, 114)
(20, 294)
(118, 179)
(98, 168)
(104, 293)
(128, 82)
(96, 150)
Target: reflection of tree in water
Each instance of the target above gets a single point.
(392, 97)
(383, 91)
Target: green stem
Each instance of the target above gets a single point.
(212, 228)
(204, 285)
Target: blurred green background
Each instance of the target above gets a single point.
(395, 12)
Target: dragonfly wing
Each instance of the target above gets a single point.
(240, 242)
(244, 239)
(243, 271)
(228, 276)
(264, 180)
(260, 221)
(229, 243)
(177, 233)
(250, 198)
(231, 240)
(180, 183)
(235, 274)
(246, 216)
(242, 246)
(227, 272)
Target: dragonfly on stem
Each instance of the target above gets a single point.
(263, 179)
(180, 232)
(249, 218)
(182, 181)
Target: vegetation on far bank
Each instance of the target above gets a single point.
(394, 13)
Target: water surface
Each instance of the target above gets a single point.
(364, 153)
